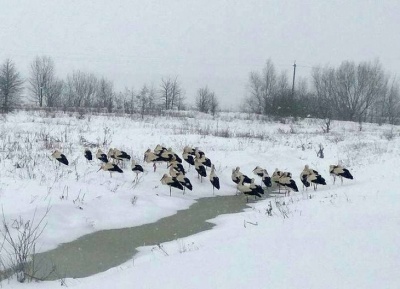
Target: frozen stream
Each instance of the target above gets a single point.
(99, 251)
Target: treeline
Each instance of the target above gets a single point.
(87, 90)
(353, 91)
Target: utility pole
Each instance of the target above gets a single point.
(294, 77)
(41, 96)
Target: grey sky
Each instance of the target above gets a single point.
(208, 42)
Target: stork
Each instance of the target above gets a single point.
(110, 167)
(236, 174)
(118, 155)
(168, 155)
(287, 182)
(276, 176)
(176, 165)
(88, 154)
(315, 180)
(101, 156)
(309, 176)
(214, 179)
(137, 169)
(189, 150)
(256, 188)
(151, 157)
(204, 160)
(198, 153)
(258, 171)
(339, 171)
(60, 157)
(266, 179)
(188, 158)
(235, 177)
(182, 179)
(246, 190)
(171, 182)
(159, 149)
(201, 170)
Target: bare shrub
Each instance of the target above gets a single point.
(336, 138)
(326, 126)
(226, 133)
(388, 135)
(20, 238)
(283, 208)
(320, 152)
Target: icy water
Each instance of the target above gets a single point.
(97, 252)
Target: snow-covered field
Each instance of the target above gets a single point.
(340, 236)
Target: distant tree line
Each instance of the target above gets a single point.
(87, 90)
(353, 91)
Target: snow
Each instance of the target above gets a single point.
(340, 236)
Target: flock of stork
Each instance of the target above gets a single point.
(195, 157)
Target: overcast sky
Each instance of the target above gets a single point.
(207, 42)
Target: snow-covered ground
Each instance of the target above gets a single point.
(341, 236)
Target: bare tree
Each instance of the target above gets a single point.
(303, 98)
(176, 92)
(357, 88)
(203, 99)
(42, 82)
(152, 99)
(129, 100)
(269, 82)
(165, 92)
(171, 92)
(283, 102)
(214, 104)
(53, 93)
(255, 100)
(81, 89)
(105, 94)
(263, 94)
(325, 98)
(143, 98)
(392, 104)
(11, 86)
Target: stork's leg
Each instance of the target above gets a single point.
(170, 194)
